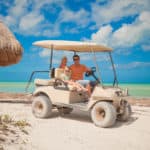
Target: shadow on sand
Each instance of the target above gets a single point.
(79, 116)
(74, 115)
(125, 123)
(85, 117)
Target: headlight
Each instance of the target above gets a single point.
(125, 92)
(123, 102)
(118, 93)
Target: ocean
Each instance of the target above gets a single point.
(135, 89)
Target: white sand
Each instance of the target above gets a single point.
(77, 132)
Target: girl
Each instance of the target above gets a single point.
(63, 62)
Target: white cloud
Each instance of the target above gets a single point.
(38, 4)
(115, 10)
(146, 47)
(30, 21)
(44, 53)
(103, 35)
(51, 30)
(27, 18)
(133, 65)
(16, 9)
(71, 30)
(131, 34)
(8, 20)
(80, 17)
(19, 8)
(128, 35)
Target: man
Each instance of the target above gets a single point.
(77, 73)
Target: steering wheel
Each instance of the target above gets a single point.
(91, 72)
(59, 82)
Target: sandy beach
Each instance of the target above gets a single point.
(76, 131)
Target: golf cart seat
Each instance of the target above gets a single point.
(49, 82)
(58, 72)
(44, 82)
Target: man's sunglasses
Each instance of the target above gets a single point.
(76, 59)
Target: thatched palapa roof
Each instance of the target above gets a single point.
(10, 49)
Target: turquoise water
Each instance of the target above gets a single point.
(15, 87)
(138, 90)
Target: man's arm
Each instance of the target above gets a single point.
(86, 69)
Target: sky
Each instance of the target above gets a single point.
(123, 25)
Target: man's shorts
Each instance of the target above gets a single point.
(83, 82)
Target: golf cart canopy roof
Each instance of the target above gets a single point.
(72, 46)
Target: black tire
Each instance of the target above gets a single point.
(65, 110)
(41, 106)
(103, 114)
(126, 114)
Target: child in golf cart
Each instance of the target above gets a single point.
(65, 76)
(71, 84)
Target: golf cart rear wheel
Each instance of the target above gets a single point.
(65, 110)
(41, 106)
(103, 114)
(126, 114)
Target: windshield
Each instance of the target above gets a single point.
(101, 59)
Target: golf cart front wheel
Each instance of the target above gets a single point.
(41, 106)
(103, 114)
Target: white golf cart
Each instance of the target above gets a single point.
(106, 103)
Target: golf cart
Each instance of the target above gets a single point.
(106, 103)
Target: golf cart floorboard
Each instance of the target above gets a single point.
(81, 105)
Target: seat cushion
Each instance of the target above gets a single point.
(44, 82)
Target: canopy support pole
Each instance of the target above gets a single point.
(74, 52)
(51, 58)
(97, 67)
(114, 71)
